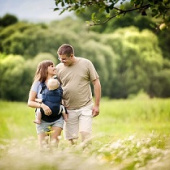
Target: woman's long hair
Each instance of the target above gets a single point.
(42, 70)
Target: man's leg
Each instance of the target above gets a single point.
(85, 136)
(71, 126)
(85, 122)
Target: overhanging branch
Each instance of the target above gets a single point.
(120, 12)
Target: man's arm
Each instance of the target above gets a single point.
(97, 95)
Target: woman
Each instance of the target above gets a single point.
(45, 71)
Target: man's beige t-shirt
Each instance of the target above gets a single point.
(75, 81)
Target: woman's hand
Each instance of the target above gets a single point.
(47, 110)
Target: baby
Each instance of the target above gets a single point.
(51, 96)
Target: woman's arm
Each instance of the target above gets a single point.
(32, 100)
(32, 103)
(38, 100)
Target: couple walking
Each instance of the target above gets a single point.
(74, 75)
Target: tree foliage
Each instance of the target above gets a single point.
(132, 19)
(7, 20)
(12, 78)
(138, 60)
(115, 8)
(29, 39)
(128, 59)
(17, 75)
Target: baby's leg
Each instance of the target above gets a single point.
(38, 117)
(65, 116)
(64, 112)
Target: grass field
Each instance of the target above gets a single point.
(128, 134)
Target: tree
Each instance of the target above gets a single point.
(115, 8)
(13, 78)
(7, 20)
(17, 75)
(28, 39)
(138, 60)
(164, 41)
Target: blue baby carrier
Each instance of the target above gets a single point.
(51, 98)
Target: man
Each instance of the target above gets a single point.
(76, 74)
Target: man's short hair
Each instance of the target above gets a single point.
(65, 49)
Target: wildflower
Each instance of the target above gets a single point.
(59, 137)
(116, 145)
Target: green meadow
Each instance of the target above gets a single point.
(128, 134)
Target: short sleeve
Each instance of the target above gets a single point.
(92, 71)
(36, 87)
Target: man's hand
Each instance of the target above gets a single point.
(95, 111)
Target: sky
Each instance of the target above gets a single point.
(31, 10)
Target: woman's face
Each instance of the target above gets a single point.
(51, 70)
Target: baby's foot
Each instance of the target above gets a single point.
(37, 121)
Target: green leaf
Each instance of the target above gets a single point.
(107, 9)
(154, 12)
(93, 16)
(107, 15)
(56, 9)
(62, 4)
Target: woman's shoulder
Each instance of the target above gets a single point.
(36, 85)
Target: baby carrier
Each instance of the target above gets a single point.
(51, 98)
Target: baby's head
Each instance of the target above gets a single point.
(53, 84)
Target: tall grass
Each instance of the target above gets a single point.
(124, 117)
(128, 134)
(117, 117)
(16, 120)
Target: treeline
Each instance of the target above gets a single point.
(128, 59)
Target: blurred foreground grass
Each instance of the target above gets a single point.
(128, 134)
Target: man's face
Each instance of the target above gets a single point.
(67, 61)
